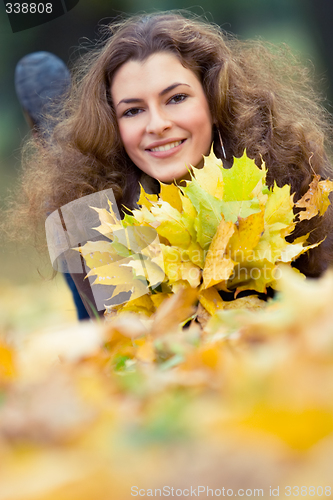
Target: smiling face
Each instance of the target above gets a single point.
(163, 116)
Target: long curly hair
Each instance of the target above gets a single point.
(259, 96)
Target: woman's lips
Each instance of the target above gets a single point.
(167, 149)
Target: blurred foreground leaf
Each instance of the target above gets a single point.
(89, 411)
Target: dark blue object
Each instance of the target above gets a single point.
(80, 309)
(41, 81)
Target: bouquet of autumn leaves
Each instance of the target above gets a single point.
(224, 230)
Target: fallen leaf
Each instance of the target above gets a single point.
(174, 311)
(316, 199)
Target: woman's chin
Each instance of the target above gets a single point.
(174, 177)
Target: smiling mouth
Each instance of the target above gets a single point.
(166, 147)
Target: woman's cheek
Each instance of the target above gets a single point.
(199, 119)
(127, 134)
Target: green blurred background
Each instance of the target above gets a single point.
(305, 25)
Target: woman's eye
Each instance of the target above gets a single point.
(177, 98)
(132, 112)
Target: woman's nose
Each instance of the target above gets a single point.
(158, 122)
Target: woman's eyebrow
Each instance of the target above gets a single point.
(134, 100)
(171, 87)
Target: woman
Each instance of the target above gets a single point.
(158, 93)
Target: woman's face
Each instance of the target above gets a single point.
(163, 116)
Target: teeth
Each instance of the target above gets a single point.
(166, 147)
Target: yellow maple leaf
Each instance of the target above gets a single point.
(148, 270)
(158, 298)
(210, 176)
(218, 267)
(252, 275)
(294, 250)
(250, 303)
(141, 305)
(146, 199)
(316, 199)
(144, 216)
(98, 253)
(279, 206)
(120, 277)
(271, 243)
(171, 194)
(246, 236)
(171, 225)
(211, 300)
(108, 219)
(176, 264)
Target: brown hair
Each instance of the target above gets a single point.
(259, 97)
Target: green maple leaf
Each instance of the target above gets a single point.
(241, 179)
(233, 210)
(209, 212)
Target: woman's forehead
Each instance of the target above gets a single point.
(156, 73)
